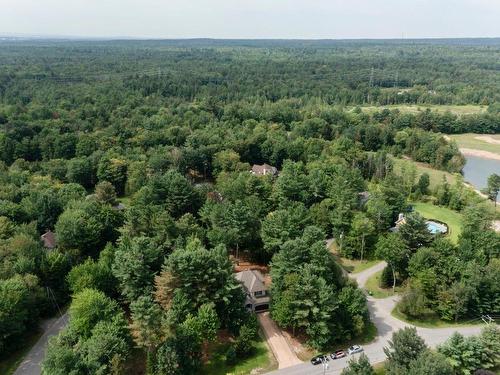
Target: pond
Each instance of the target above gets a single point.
(477, 170)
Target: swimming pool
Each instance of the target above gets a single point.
(434, 227)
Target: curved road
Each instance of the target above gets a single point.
(380, 313)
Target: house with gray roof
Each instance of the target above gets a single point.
(257, 297)
(264, 170)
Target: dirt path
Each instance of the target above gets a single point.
(277, 342)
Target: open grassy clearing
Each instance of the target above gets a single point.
(351, 265)
(372, 286)
(356, 266)
(477, 141)
(435, 176)
(455, 109)
(452, 218)
(260, 362)
(432, 321)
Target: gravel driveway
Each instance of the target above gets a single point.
(277, 342)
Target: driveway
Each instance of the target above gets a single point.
(380, 313)
(31, 365)
(277, 342)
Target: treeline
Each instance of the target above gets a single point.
(340, 73)
(188, 136)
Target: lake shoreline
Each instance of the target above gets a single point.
(479, 153)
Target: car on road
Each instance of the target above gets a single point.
(354, 349)
(319, 359)
(338, 354)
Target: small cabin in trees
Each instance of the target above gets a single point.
(264, 170)
(49, 240)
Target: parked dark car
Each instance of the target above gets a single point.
(319, 359)
(338, 354)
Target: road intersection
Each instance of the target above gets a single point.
(380, 313)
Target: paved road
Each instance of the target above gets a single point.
(277, 342)
(31, 365)
(380, 312)
(363, 276)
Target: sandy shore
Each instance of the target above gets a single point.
(496, 225)
(488, 139)
(480, 153)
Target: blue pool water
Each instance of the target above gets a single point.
(435, 227)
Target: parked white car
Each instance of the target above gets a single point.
(354, 349)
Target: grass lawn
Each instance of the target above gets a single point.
(263, 360)
(469, 140)
(435, 176)
(414, 109)
(431, 321)
(354, 265)
(9, 365)
(379, 368)
(450, 217)
(372, 286)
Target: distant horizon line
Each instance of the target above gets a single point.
(139, 38)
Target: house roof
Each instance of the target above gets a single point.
(264, 169)
(252, 280)
(49, 239)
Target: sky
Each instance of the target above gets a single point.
(254, 19)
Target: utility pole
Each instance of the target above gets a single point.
(159, 75)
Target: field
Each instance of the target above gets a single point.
(455, 109)
(478, 141)
(450, 217)
(436, 176)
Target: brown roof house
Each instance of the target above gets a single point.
(257, 298)
(264, 170)
(49, 240)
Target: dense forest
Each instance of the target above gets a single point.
(136, 158)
